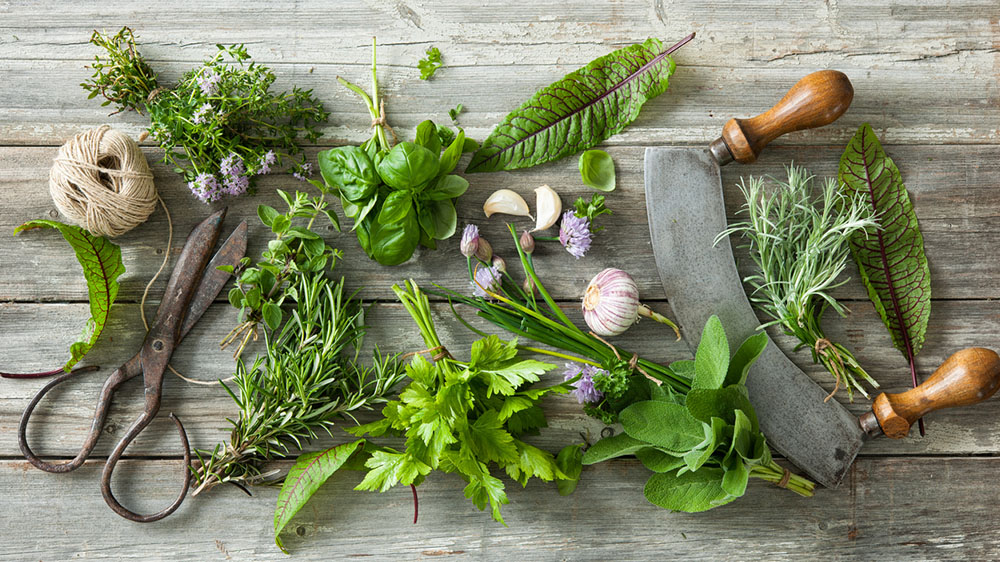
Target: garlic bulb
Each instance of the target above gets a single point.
(611, 304)
(506, 202)
(548, 206)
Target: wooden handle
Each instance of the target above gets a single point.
(817, 99)
(967, 377)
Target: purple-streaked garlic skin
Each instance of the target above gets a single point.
(611, 302)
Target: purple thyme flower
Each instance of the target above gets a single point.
(304, 171)
(209, 82)
(234, 178)
(574, 234)
(205, 187)
(583, 388)
(470, 240)
(266, 161)
(202, 114)
(487, 279)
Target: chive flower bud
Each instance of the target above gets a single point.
(484, 251)
(499, 264)
(527, 242)
(611, 304)
(470, 240)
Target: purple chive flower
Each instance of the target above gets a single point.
(304, 171)
(201, 115)
(470, 240)
(583, 388)
(205, 187)
(487, 279)
(209, 82)
(574, 234)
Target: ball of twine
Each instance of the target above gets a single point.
(100, 180)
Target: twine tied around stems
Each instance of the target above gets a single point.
(783, 483)
(823, 348)
(383, 122)
(438, 353)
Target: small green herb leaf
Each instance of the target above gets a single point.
(102, 264)
(429, 65)
(744, 358)
(395, 208)
(267, 214)
(454, 113)
(611, 447)
(597, 170)
(272, 315)
(569, 461)
(305, 477)
(427, 136)
(657, 460)
(706, 403)
(663, 424)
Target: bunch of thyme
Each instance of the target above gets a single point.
(220, 126)
(309, 378)
(799, 242)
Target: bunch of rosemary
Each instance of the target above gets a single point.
(799, 241)
(309, 378)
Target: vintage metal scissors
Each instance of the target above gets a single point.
(192, 287)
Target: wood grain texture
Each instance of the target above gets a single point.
(886, 512)
(925, 76)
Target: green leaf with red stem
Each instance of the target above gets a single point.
(102, 264)
(891, 258)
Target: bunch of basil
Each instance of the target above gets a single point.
(401, 197)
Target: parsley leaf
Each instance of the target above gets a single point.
(429, 65)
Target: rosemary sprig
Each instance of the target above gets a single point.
(309, 378)
(799, 242)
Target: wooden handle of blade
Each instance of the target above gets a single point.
(967, 377)
(817, 99)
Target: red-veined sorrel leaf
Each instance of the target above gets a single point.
(891, 259)
(580, 110)
(102, 264)
(309, 473)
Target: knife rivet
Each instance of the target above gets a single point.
(158, 345)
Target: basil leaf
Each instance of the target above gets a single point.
(101, 261)
(396, 206)
(580, 110)
(408, 166)
(394, 243)
(597, 170)
(426, 219)
(447, 187)
(445, 219)
(691, 492)
(427, 136)
(451, 155)
(350, 170)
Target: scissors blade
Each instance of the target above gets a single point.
(213, 280)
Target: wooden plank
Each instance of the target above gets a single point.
(927, 509)
(896, 54)
(36, 337)
(952, 189)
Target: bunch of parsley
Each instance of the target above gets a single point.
(465, 417)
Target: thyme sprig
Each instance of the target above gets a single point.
(799, 241)
(309, 378)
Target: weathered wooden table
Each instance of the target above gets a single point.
(925, 75)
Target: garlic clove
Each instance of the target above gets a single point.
(548, 206)
(506, 202)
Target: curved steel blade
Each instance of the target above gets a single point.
(212, 280)
(686, 212)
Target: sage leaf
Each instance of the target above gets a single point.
(569, 462)
(890, 258)
(597, 170)
(101, 260)
(691, 492)
(711, 360)
(580, 110)
(735, 477)
(611, 447)
(664, 425)
(306, 476)
(657, 460)
(706, 403)
(744, 358)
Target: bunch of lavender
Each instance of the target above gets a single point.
(220, 126)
